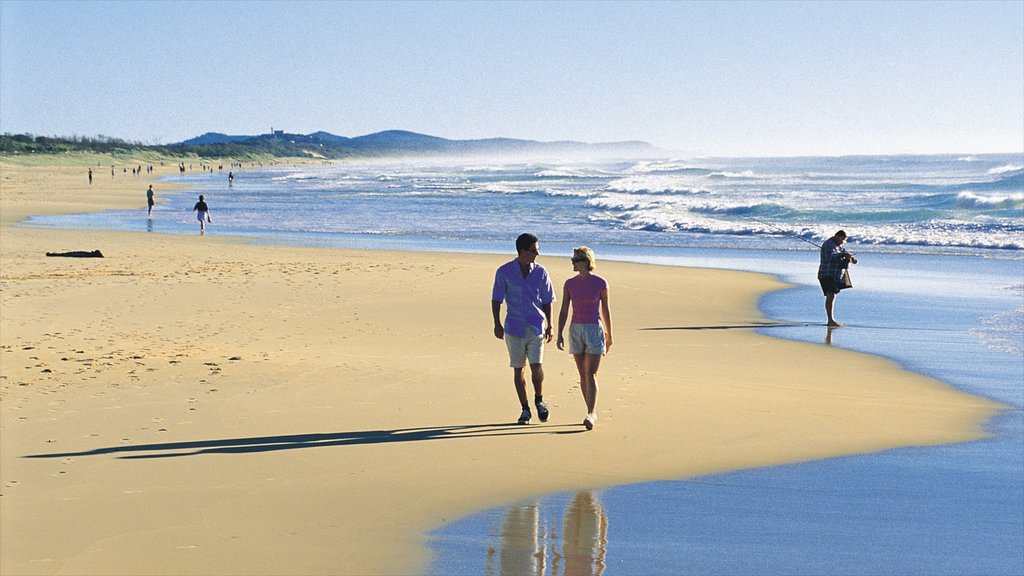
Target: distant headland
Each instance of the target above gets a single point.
(324, 145)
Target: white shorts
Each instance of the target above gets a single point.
(522, 349)
(586, 339)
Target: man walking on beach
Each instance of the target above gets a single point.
(834, 260)
(526, 289)
(150, 200)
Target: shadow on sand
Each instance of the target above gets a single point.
(297, 441)
(753, 325)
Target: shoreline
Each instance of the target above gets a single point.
(288, 395)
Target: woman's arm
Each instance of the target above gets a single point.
(606, 314)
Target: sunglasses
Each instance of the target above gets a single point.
(579, 260)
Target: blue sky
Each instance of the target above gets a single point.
(725, 78)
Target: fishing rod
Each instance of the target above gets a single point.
(784, 231)
(787, 232)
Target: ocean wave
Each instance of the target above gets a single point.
(667, 167)
(666, 221)
(443, 186)
(297, 177)
(654, 185)
(1000, 180)
(1006, 168)
(990, 202)
(743, 209)
(680, 214)
(505, 188)
(746, 175)
(943, 233)
(573, 172)
(1008, 180)
(576, 192)
(617, 201)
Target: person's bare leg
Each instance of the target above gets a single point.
(581, 367)
(537, 374)
(829, 305)
(520, 381)
(593, 364)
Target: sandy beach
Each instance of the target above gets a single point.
(199, 405)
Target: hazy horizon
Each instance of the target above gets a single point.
(729, 79)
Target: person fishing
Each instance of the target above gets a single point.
(832, 271)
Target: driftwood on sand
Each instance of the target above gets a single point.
(77, 254)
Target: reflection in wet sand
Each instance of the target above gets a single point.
(521, 549)
(584, 536)
(529, 541)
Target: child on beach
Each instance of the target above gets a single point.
(588, 340)
(203, 214)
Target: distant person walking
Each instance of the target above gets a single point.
(90, 176)
(832, 265)
(525, 288)
(202, 214)
(231, 179)
(588, 339)
(150, 200)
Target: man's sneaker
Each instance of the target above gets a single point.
(542, 411)
(589, 421)
(525, 417)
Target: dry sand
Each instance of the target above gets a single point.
(193, 405)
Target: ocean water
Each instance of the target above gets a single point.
(898, 204)
(939, 289)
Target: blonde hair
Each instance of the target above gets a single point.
(584, 252)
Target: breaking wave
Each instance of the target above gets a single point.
(995, 201)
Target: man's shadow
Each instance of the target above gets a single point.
(298, 441)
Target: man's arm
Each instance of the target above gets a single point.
(563, 315)
(546, 307)
(499, 332)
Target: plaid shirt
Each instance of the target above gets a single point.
(832, 261)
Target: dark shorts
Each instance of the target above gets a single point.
(150, 202)
(830, 286)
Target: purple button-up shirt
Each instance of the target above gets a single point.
(523, 297)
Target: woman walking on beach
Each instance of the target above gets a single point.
(203, 214)
(588, 339)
